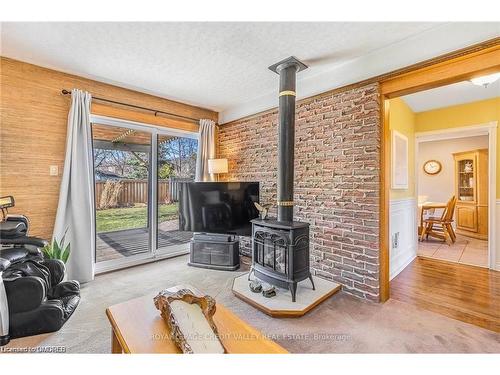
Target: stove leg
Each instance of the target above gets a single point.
(312, 282)
(293, 290)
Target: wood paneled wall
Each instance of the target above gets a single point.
(33, 132)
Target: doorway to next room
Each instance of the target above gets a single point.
(443, 201)
(453, 182)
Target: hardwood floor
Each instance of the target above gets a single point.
(467, 293)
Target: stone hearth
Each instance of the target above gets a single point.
(281, 305)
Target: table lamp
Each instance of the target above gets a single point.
(217, 166)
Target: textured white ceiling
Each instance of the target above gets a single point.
(223, 66)
(445, 96)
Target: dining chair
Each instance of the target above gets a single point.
(440, 227)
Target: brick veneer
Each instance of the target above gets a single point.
(337, 178)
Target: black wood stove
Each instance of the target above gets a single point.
(280, 248)
(280, 253)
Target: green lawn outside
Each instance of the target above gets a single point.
(131, 217)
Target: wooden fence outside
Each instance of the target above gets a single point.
(136, 191)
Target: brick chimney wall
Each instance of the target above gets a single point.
(337, 179)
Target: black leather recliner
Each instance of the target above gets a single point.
(39, 301)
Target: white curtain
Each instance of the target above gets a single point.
(75, 212)
(206, 150)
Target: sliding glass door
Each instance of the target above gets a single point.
(122, 183)
(176, 163)
(138, 170)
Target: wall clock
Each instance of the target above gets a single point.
(432, 167)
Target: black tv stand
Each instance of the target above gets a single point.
(215, 251)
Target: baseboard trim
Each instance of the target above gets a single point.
(403, 266)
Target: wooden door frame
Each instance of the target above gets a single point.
(462, 65)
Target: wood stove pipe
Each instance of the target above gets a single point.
(287, 70)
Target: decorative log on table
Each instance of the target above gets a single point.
(190, 320)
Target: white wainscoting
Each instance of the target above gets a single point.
(403, 216)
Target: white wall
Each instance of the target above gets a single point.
(403, 214)
(440, 187)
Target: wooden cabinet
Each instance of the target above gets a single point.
(471, 190)
(466, 217)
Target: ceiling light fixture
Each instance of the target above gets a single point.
(485, 80)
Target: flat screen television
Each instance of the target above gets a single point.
(218, 207)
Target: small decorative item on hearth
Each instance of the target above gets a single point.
(190, 320)
(263, 209)
(255, 286)
(269, 291)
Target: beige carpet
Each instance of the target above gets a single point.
(342, 324)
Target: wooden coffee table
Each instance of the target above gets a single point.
(137, 327)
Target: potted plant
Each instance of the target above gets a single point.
(57, 250)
